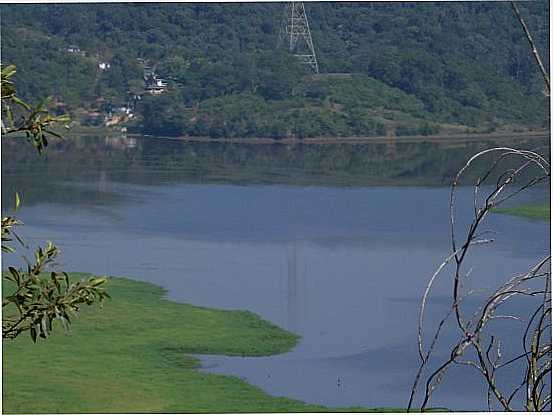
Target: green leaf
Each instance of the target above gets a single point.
(53, 133)
(66, 275)
(33, 334)
(9, 115)
(9, 277)
(16, 274)
(8, 71)
(7, 249)
(21, 103)
(64, 118)
(44, 325)
(17, 201)
(94, 282)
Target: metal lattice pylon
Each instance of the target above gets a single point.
(295, 34)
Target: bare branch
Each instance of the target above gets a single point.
(532, 47)
(473, 329)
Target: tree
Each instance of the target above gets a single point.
(39, 295)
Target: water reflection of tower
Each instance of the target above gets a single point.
(391, 144)
(102, 181)
(294, 282)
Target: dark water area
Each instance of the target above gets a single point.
(333, 242)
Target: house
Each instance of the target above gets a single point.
(73, 49)
(124, 111)
(76, 50)
(104, 66)
(160, 83)
(155, 85)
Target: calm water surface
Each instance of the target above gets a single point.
(333, 242)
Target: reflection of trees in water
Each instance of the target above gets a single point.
(151, 161)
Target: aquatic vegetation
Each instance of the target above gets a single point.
(541, 211)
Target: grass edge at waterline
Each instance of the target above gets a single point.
(132, 355)
(537, 211)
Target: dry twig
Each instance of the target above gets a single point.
(475, 334)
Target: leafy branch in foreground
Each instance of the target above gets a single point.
(39, 300)
(41, 295)
(33, 121)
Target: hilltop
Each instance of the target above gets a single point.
(386, 68)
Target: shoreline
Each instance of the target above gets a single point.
(454, 138)
(361, 140)
(436, 138)
(141, 350)
(532, 211)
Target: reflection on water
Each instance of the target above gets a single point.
(99, 160)
(295, 286)
(333, 242)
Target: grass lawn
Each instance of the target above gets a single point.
(131, 356)
(541, 211)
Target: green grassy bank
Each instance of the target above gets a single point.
(131, 356)
(539, 211)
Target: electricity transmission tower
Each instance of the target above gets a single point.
(295, 34)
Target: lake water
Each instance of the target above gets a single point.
(333, 242)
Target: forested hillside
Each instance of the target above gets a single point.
(400, 68)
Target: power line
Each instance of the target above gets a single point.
(296, 36)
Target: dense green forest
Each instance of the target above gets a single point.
(386, 68)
